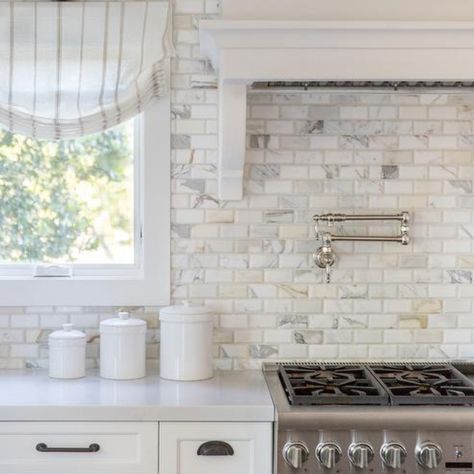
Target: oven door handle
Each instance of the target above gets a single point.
(215, 448)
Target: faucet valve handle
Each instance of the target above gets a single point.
(325, 257)
(328, 273)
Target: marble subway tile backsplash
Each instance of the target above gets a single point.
(24, 332)
(307, 152)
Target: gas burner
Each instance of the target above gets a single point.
(425, 385)
(324, 384)
(371, 384)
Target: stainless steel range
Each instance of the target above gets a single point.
(373, 418)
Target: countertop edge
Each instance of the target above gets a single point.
(143, 414)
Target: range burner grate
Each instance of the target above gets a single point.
(326, 384)
(425, 385)
(375, 384)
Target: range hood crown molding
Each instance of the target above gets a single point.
(248, 51)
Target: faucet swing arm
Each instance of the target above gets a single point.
(333, 218)
(403, 238)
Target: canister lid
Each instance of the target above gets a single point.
(67, 335)
(187, 312)
(123, 321)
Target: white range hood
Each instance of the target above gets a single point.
(346, 40)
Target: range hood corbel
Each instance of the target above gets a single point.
(247, 51)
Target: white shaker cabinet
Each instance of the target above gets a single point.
(215, 448)
(78, 448)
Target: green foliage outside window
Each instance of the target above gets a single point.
(66, 201)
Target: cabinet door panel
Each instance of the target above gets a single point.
(124, 448)
(250, 445)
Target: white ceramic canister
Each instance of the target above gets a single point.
(186, 342)
(123, 348)
(67, 353)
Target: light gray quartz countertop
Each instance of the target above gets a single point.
(30, 395)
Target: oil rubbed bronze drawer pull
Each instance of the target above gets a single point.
(43, 448)
(215, 448)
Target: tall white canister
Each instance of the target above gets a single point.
(186, 342)
(67, 353)
(123, 348)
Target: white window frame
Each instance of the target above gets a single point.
(147, 282)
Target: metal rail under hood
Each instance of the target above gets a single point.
(446, 86)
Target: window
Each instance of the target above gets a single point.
(86, 221)
(69, 202)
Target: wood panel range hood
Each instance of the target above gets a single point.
(337, 40)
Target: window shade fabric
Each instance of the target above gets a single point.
(68, 69)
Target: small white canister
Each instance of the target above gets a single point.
(123, 348)
(186, 342)
(67, 353)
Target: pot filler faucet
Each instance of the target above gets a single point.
(325, 257)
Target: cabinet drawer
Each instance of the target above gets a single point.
(238, 448)
(117, 448)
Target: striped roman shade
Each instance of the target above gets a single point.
(69, 69)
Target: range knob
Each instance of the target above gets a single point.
(428, 455)
(361, 454)
(295, 454)
(393, 455)
(328, 454)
